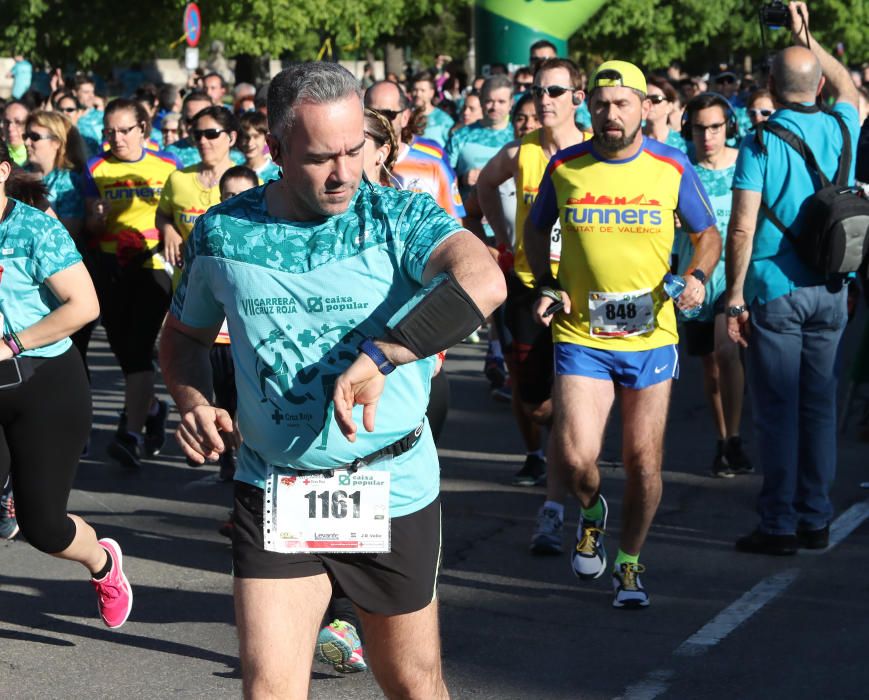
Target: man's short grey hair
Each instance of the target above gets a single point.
(317, 82)
(496, 82)
(795, 81)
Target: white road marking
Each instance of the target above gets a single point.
(736, 613)
(846, 523)
(653, 685)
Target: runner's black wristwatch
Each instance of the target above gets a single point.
(376, 354)
(699, 275)
(734, 311)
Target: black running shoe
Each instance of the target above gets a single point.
(759, 542)
(720, 466)
(155, 430)
(532, 473)
(736, 457)
(814, 539)
(126, 450)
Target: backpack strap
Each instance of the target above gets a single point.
(806, 154)
(845, 160)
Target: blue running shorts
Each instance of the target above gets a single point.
(635, 369)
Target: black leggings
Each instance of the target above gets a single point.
(133, 304)
(44, 431)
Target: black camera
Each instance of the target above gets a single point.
(775, 15)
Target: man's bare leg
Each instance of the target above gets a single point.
(644, 417)
(404, 653)
(580, 409)
(278, 621)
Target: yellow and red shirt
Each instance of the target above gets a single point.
(531, 167)
(617, 231)
(131, 191)
(184, 199)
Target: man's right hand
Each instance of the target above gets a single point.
(544, 303)
(799, 22)
(199, 431)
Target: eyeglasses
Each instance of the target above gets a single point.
(726, 79)
(167, 130)
(209, 134)
(34, 136)
(700, 129)
(761, 112)
(16, 122)
(120, 131)
(553, 91)
(390, 114)
(657, 99)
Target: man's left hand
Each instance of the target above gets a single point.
(693, 295)
(362, 383)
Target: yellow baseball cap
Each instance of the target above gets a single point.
(618, 74)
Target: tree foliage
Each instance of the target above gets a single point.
(701, 33)
(103, 33)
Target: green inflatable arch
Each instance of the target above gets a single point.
(504, 29)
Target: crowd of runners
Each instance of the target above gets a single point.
(305, 254)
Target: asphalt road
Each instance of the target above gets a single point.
(721, 625)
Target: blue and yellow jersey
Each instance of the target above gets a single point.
(617, 230)
(131, 190)
(530, 170)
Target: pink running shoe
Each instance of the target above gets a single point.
(115, 597)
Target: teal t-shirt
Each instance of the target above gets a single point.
(298, 298)
(437, 126)
(270, 171)
(65, 193)
(33, 247)
(187, 154)
(674, 139)
(717, 184)
(90, 126)
(474, 145)
(783, 179)
(22, 76)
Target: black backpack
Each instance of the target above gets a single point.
(835, 233)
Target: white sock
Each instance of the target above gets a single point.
(556, 506)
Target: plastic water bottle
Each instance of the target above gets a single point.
(674, 285)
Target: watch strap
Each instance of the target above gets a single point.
(377, 356)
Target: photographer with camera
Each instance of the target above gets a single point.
(789, 313)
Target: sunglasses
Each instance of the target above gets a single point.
(120, 131)
(390, 114)
(34, 136)
(657, 99)
(209, 134)
(553, 91)
(726, 79)
(761, 112)
(700, 129)
(68, 110)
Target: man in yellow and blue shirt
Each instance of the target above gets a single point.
(616, 197)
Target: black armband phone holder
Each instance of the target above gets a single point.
(440, 315)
